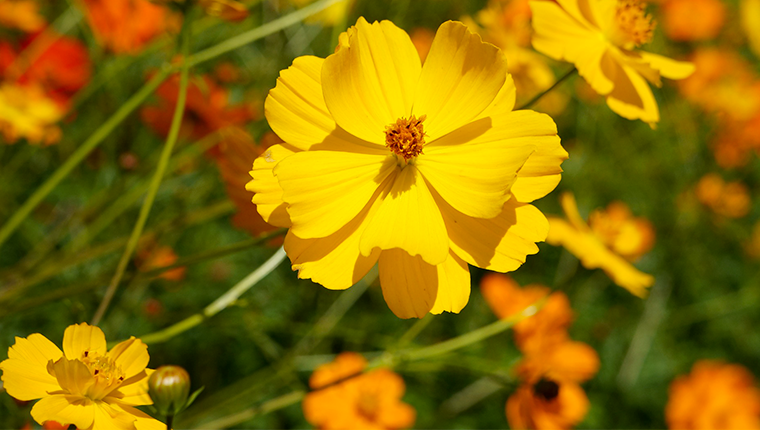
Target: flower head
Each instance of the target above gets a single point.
(600, 38)
(126, 26)
(714, 395)
(21, 14)
(728, 199)
(687, 20)
(85, 384)
(613, 240)
(419, 168)
(370, 400)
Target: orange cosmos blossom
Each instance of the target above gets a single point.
(728, 199)
(714, 395)
(85, 385)
(609, 243)
(369, 400)
(127, 26)
(419, 168)
(686, 20)
(21, 14)
(600, 37)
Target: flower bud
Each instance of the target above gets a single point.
(169, 387)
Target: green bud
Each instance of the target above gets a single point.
(169, 387)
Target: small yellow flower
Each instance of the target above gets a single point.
(27, 113)
(600, 37)
(597, 246)
(21, 14)
(422, 169)
(84, 385)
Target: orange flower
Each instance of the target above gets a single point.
(153, 256)
(624, 234)
(126, 26)
(728, 199)
(566, 361)
(21, 14)
(370, 400)
(736, 141)
(207, 109)
(236, 155)
(547, 327)
(547, 405)
(714, 395)
(691, 20)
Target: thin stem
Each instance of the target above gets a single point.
(169, 422)
(266, 407)
(548, 90)
(163, 162)
(220, 303)
(81, 153)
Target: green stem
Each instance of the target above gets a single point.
(548, 90)
(220, 303)
(163, 162)
(169, 422)
(266, 407)
(81, 153)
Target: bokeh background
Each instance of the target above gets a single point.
(694, 177)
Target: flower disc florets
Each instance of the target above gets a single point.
(406, 137)
(634, 24)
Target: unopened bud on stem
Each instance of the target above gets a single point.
(169, 387)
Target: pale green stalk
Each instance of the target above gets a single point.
(548, 90)
(158, 176)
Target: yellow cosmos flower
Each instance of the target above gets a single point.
(26, 112)
(84, 385)
(421, 169)
(600, 38)
(597, 248)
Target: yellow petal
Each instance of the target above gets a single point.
(407, 218)
(111, 417)
(461, 77)
(325, 190)
(475, 178)
(371, 83)
(563, 37)
(501, 243)
(409, 284)
(631, 98)
(142, 421)
(65, 409)
(504, 101)
(542, 172)
(453, 285)
(267, 192)
(134, 391)
(131, 355)
(593, 254)
(295, 107)
(667, 67)
(25, 375)
(73, 376)
(334, 261)
(79, 338)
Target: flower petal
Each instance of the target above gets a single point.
(631, 98)
(65, 409)
(78, 338)
(142, 421)
(371, 83)
(334, 261)
(407, 218)
(504, 101)
(410, 285)
(25, 375)
(73, 376)
(475, 178)
(108, 416)
(561, 36)
(134, 391)
(667, 67)
(500, 243)
(593, 254)
(267, 192)
(325, 190)
(131, 355)
(295, 108)
(453, 285)
(461, 77)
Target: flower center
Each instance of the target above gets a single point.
(635, 25)
(107, 374)
(546, 389)
(406, 137)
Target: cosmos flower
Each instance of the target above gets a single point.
(600, 38)
(421, 169)
(127, 26)
(727, 199)
(84, 385)
(369, 400)
(596, 248)
(692, 20)
(27, 113)
(21, 14)
(714, 395)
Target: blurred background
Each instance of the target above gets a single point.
(68, 66)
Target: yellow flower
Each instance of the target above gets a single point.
(21, 14)
(421, 169)
(596, 249)
(600, 38)
(26, 112)
(84, 385)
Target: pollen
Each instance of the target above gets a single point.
(635, 25)
(406, 137)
